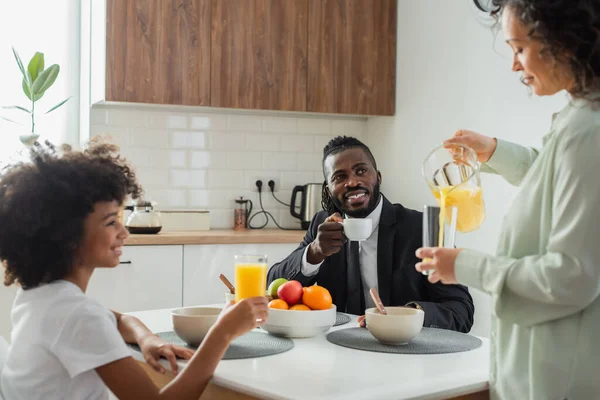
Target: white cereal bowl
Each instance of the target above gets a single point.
(299, 324)
(191, 324)
(400, 326)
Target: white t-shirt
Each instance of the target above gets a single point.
(59, 337)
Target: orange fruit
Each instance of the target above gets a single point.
(278, 304)
(317, 298)
(299, 307)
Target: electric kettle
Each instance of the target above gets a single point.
(310, 203)
(143, 218)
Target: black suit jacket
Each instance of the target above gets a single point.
(400, 235)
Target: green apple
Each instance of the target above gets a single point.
(272, 290)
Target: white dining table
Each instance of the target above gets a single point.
(318, 369)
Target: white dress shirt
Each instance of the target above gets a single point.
(367, 250)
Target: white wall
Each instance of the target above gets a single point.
(454, 73)
(198, 158)
(50, 27)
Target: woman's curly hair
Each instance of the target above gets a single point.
(569, 31)
(43, 205)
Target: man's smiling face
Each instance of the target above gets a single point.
(352, 181)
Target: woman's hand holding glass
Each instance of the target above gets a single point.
(440, 261)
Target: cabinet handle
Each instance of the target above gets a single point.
(125, 262)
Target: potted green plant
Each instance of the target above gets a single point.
(36, 81)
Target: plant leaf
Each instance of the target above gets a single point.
(36, 65)
(10, 120)
(26, 89)
(44, 80)
(26, 76)
(58, 105)
(17, 108)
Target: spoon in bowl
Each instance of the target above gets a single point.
(227, 283)
(377, 300)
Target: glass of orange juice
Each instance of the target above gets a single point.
(250, 276)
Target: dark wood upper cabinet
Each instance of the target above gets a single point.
(327, 56)
(259, 54)
(158, 51)
(352, 56)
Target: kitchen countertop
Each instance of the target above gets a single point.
(317, 369)
(218, 236)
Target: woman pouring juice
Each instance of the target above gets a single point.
(545, 278)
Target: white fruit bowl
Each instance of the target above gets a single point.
(299, 324)
(191, 324)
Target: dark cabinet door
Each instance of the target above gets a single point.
(258, 55)
(352, 56)
(158, 51)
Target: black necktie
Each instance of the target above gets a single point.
(355, 299)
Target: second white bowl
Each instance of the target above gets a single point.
(400, 326)
(191, 324)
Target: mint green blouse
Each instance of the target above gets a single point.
(545, 279)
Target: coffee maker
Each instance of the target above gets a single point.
(310, 204)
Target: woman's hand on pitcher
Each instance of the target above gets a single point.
(440, 261)
(483, 145)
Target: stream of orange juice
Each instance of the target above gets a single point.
(250, 280)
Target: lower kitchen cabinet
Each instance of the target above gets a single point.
(149, 277)
(202, 265)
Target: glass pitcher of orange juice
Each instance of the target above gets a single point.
(250, 276)
(452, 174)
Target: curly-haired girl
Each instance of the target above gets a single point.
(59, 222)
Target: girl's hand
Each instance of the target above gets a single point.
(483, 145)
(243, 316)
(153, 348)
(441, 261)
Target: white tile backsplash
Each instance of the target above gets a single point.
(188, 139)
(299, 143)
(280, 125)
(176, 198)
(199, 198)
(178, 158)
(188, 178)
(152, 177)
(280, 161)
(128, 118)
(320, 142)
(263, 142)
(245, 123)
(208, 122)
(190, 159)
(176, 122)
(146, 137)
(244, 160)
(311, 126)
(352, 127)
(290, 179)
(200, 159)
(226, 179)
(227, 141)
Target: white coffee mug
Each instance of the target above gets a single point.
(358, 229)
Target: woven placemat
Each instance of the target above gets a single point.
(341, 319)
(428, 341)
(250, 345)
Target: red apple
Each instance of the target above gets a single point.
(290, 292)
